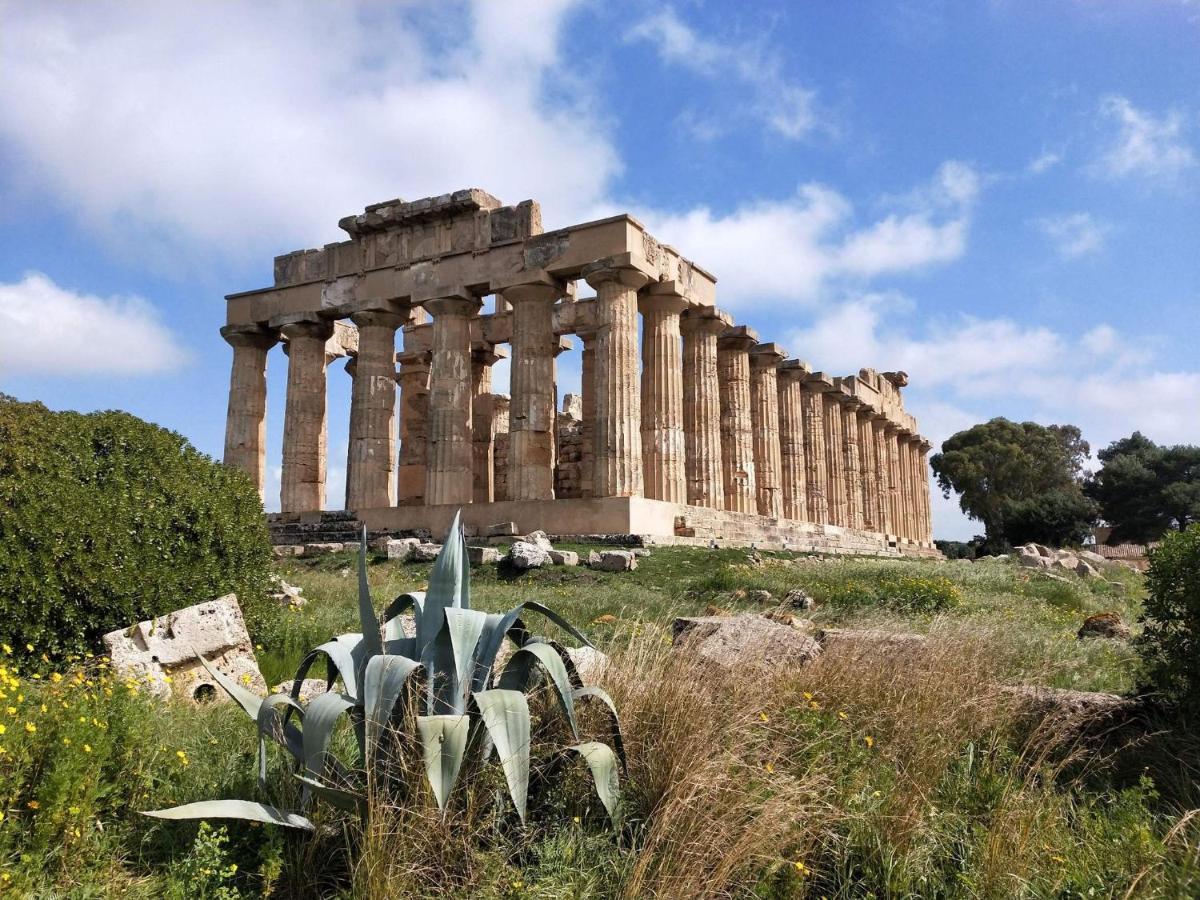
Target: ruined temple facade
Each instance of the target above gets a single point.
(688, 429)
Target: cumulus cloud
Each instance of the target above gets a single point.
(1074, 234)
(1044, 162)
(50, 330)
(250, 128)
(786, 107)
(1145, 146)
(814, 241)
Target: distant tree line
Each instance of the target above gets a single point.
(1027, 482)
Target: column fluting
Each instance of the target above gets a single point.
(246, 418)
(449, 477)
(702, 408)
(764, 418)
(737, 437)
(531, 412)
(302, 483)
(791, 441)
(370, 464)
(663, 452)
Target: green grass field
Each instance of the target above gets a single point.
(878, 778)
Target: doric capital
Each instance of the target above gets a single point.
(530, 286)
(924, 444)
(660, 303)
(487, 354)
(739, 337)
(604, 271)
(317, 329)
(380, 319)
(706, 320)
(250, 336)
(767, 356)
(818, 382)
(457, 305)
(794, 370)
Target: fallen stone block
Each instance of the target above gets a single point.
(760, 596)
(1032, 560)
(797, 598)
(284, 551)
(160, 654)
(613, 561)
(523, 555)
(540, 539)
(1108, 625)
(501, 529)
(479, 556)
(640, 552)
(564, 557)
(424, 552)
(322, 549)
(400, 549)
(590, 663)
(739, 641)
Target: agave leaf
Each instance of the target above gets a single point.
(233, 809)
(506, 717)
(393, 628)
(519, 672)
(569, 664)
(342, 799)
(406, 647)
(247, 700)
(603, 764)
(465, 627)
(599, 694)
(283, 733)
(383, 686)
(444, 742)
(442, 687)
(558, 620)
(449, 584)
(495, 627)
(372, 642)
(344, 652)
(320, 717)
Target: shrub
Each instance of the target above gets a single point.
(1171, 619)
(897, 593)
(106, 520)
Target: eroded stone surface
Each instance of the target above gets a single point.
(564, 557)
(523, 555)
(161, 653)
(736, 641)
(613, 561)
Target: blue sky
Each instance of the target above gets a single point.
(1000, 197)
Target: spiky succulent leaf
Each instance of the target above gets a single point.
(465, 627)
(247, 700)
(320, 718)
(372, 641)
(599, 695)
(233, 809)
(345, 654)
(506, 716)
(534, 606)
(383, 687)
(281, 731)
(444, 743)
(446, 586)
(519, 671)
(602, 762)
(393, 625)
(342, 799)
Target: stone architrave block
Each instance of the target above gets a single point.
(160, 654)
(564, 557)
(480, 556)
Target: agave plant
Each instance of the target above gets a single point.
(465, 708)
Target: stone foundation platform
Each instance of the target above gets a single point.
(627, 520)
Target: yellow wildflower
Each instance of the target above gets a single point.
(30, 727)
(801, 868)
(11, 710)
(73, 810)
(7, 649)
(770, 768)
(33, 804)
(842, 715)
(87, 748)
(813, 704)
(764, 717)
(29, 647)
(55, 677)
(66, 742)
(869, 741)
(3, 728)
(807, 695)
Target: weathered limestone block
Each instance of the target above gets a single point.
(481, 556)
(425, 552)
(322, 548)
(523, 555)
(737, 435)
(161, 653)
(564, 557)
(613, 561)
(501, 529)
(590, 663)
(540, 538)
(400, 549)
(283, 551)
(739, 642)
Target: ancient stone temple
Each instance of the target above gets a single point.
(688, 429)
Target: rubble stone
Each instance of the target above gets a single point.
(523, 555)
(401, 549)
(750, 640)
(322, 549)
(425, 552)
(613, 561)
(480, 556)
(564, 557)
(1104, 625)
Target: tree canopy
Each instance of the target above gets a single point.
(1021, 479)
(1145, 490)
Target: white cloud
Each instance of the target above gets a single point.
(49, 330)
(1145, 146)
(1044, 163)
(812, 240)
(784, 106)
(1074, 234)
(251, 128)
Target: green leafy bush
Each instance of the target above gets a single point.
(1171, 619)
(106, 520)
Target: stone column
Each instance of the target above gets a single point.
(926, 506)
(791, 440)
(835, 461)
(908, 470)
(618, 444)
(868, 472)
(449, 478)
(413, 378)
(737, 436)
(302, 485)
(531, 413)
(663, 453)
(764, 417)
(894, 487)
(882, 478)
(851, 462)
(246, 419)
(816, 472)
(587, 422)
(483, 420)
(702, 407)
(370, 472)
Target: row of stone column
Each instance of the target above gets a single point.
(701, 413)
